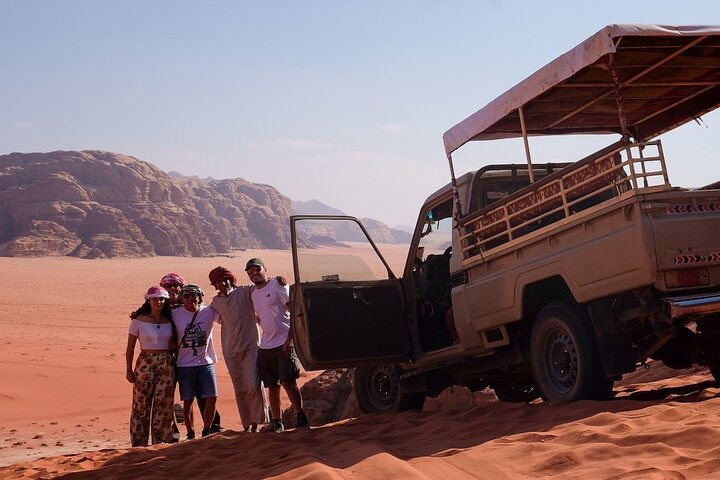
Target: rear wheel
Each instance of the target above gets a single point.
(710, 335)
(712, 359)
(378, 390)
(565, 359)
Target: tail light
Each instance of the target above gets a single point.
(689, 277)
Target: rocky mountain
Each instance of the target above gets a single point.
(332, 232)
(95, 204)
(313, 207)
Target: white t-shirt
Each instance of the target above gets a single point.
(198, 348)
(269, 302)
(149, 335)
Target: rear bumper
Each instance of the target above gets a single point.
(692, 305)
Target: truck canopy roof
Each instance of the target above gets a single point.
(666, 76)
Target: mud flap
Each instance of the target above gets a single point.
(616, 352)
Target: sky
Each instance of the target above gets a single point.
(340, 101)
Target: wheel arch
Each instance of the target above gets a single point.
(537, 294)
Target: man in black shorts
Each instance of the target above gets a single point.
(277, 362)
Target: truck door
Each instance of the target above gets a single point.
(347, 305)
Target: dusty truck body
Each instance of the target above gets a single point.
(547, 280)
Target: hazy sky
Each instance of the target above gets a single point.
(340, 101)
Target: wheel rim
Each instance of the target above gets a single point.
(384, 386)
(561, 361)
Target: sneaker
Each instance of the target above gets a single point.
(274, 426)
(191, 435)
(206, 432)
(216, 429)
(302, 421)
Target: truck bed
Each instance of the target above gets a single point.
(605, 225)
(595, 182)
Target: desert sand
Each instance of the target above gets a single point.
(66, 403)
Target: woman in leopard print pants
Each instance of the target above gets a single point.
(153, 377)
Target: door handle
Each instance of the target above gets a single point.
(357, 295)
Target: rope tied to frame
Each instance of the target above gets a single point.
(619, 100)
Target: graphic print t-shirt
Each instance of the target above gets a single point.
(197, 348)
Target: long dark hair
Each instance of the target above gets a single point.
(166, 311)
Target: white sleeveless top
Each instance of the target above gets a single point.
(149, 335)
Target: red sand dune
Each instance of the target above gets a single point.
(66, 405)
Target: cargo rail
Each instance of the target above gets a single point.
(625, 171)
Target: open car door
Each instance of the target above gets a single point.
(347, 306)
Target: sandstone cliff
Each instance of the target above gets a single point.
(95, 204)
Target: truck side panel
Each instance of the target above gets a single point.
(597, 254)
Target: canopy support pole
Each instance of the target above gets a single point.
(531, 173)
(456, 194)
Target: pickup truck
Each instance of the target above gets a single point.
(547, 280)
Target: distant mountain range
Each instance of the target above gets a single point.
(95, 204)
(378, 231)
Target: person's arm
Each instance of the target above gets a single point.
(173, 343)
(216, 317)
(129, 354)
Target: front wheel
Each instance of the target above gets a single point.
(378, 390)
(565, 359)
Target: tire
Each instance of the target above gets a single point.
(712, 360)
(710, 340)
(378, 390)
(565, 359)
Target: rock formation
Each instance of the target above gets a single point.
(95, 204)
(327, 398)
(332, 233)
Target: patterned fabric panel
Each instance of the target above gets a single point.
(536, 203)
(484, 224)
(591, 170)
(547, 197)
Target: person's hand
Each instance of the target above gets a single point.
(281, 280)
(130, 376)
(288, 346)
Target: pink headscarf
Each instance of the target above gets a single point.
(172, 278)
(156, 291)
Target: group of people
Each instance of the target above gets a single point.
(174, 330)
